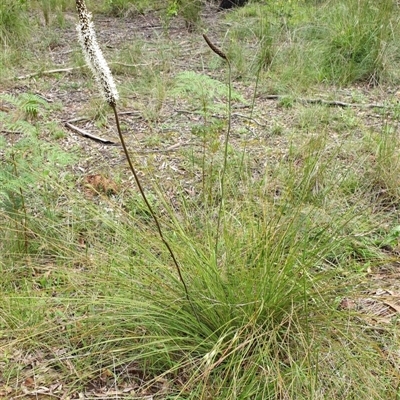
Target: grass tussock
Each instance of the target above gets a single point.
(303, 43)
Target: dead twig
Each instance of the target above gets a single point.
(89, 135)
(78, 119)
(11, 132)
(250, 119)
(134, 113)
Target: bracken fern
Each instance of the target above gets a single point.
(207, 94)
(28, 104)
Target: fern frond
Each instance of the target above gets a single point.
(27, 103)
(9, 98)
(200, 85)
(20, 126)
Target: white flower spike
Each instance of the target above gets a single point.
(93, 54)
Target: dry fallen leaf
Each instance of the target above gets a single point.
(95, 184)
(29, 382)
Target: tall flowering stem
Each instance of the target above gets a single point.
(221, 54)
(98, 64)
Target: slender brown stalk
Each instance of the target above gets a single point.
(220, 53)
(139, 185)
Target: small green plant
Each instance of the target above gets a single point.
(190, 11)
(286, 102)
(55, 130)
(207, 95)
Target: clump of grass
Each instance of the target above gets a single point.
(356, 42)
(50, 7)
(14, 26)
(335, 42)
(385, 167)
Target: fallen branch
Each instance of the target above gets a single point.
(168, 149)
(130, 65)
(87, 134)
(330, 103)
(78, 119)
(49, 72)
(69, 69)
(135, 113)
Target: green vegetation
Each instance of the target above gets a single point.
(287, 237)
(13, 22)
